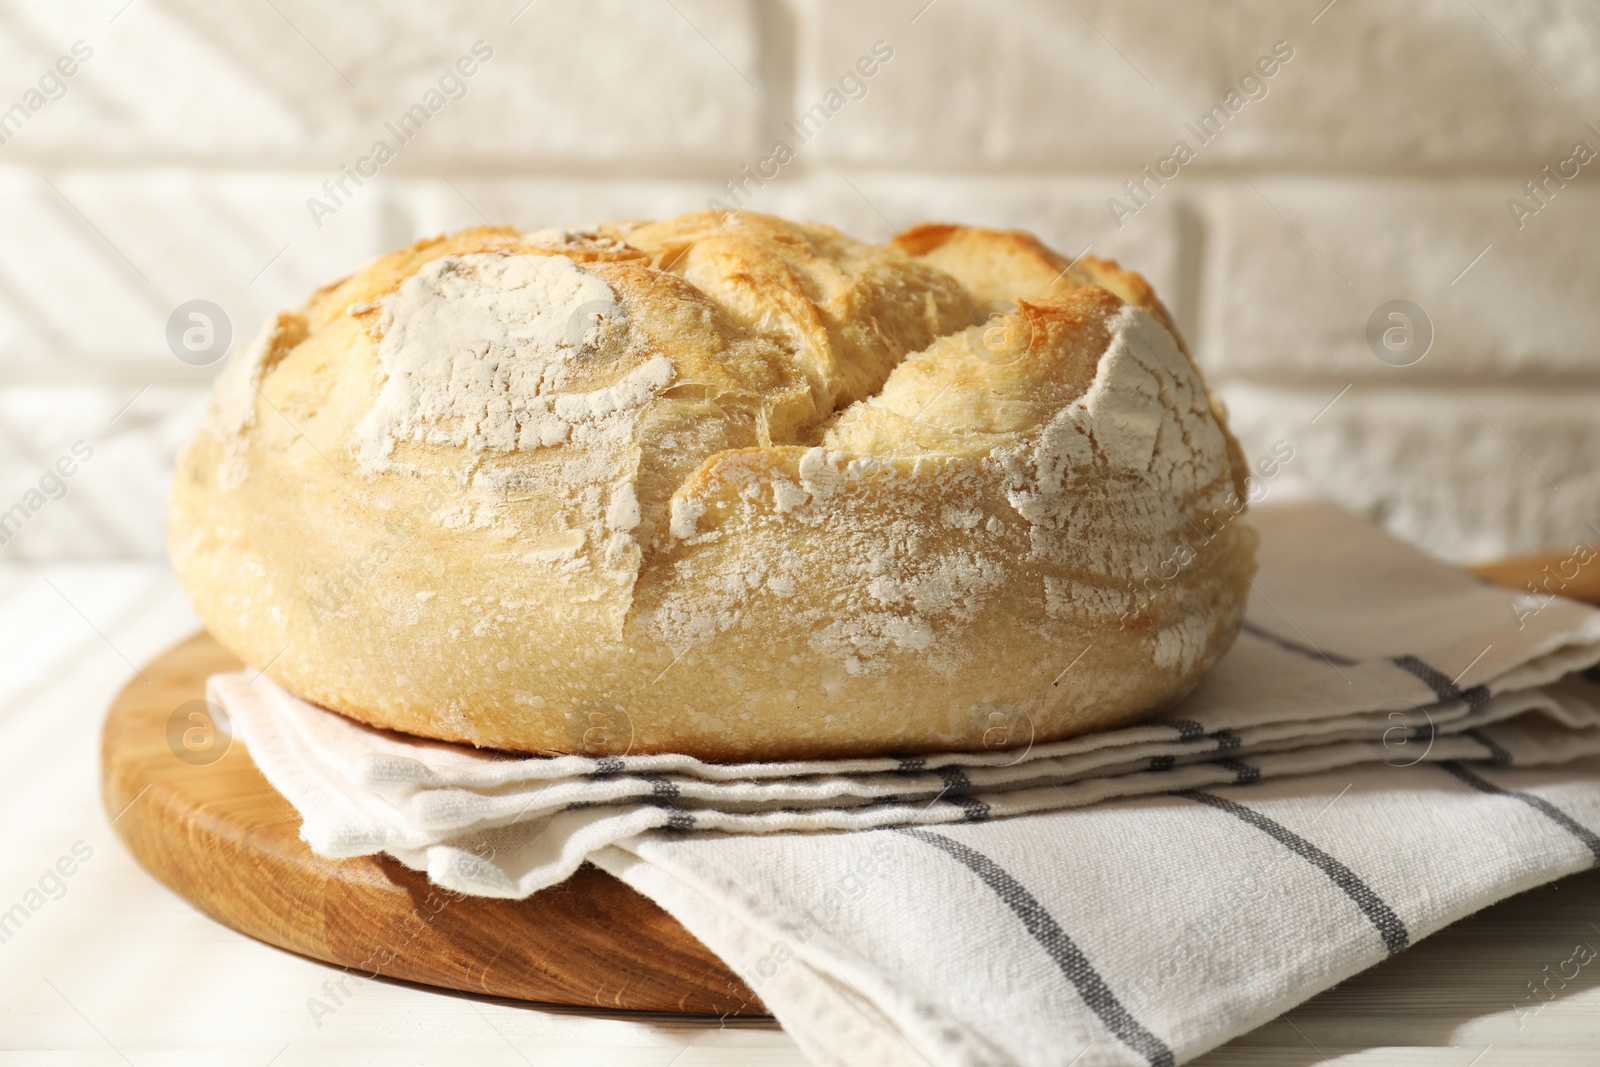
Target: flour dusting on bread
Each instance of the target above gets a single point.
(232, 410)
(478, 352)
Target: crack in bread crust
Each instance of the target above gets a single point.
(766, 489)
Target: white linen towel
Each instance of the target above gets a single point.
(1391, 745)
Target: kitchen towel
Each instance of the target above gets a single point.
(1391, 745)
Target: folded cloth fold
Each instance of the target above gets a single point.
(1390, 745)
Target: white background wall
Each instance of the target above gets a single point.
(179, 161)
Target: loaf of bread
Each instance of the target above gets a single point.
(722, 484)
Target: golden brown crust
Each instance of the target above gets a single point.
(722, 484)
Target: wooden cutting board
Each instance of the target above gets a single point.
(213, 831)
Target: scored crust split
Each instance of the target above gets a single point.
(721, 484)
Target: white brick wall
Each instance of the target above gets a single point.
(1299, 264)
(1375, 163)
(1464, 471)
(569, 81)
(95, 260)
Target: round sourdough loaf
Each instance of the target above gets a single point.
(725, 485)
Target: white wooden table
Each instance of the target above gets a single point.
(112, 969)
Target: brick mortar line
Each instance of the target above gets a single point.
(712, 170)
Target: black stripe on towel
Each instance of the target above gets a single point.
(1497, 755)
(661, 787)
(1590, 839)
(1048, 933)
(1227, 740)
(1388, 924)
(1188, 729)
(956, 783)
(664, 794)
(1243, 773)
(1440, 683)
(1294, 646)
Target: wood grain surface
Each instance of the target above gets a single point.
(1566, 573)
(217, 834)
